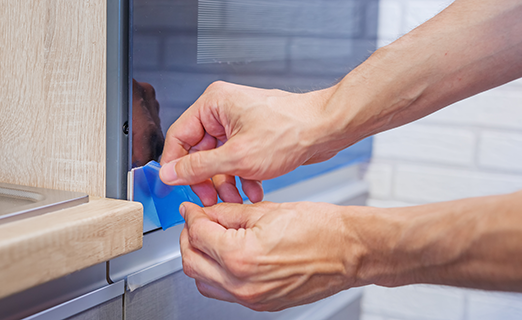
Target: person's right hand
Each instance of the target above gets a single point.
(255, 134)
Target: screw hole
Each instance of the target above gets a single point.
(126, 127)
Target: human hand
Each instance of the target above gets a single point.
(269, 256)
(256, 134)
(147, 137)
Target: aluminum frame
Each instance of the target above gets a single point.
(119, 106)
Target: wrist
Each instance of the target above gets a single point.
(373, 97)
(379, 233)
(319, 133)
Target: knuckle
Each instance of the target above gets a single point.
(193, 234)
(260, 307)
(202, 289)
(187, 268)
(217, 85)
(240, 266)
(247, 296)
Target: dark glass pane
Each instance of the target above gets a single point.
(182, 46)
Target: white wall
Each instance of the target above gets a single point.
(471, 148)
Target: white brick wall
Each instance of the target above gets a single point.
(413, 302)
(427, 144)
(471, 148)
(500, 108)
(427, 183)
(487, 305)
(500, 150)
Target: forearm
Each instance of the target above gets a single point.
(472, 46)
(471, 243)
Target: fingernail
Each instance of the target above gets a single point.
(168, 172)
(182, 210)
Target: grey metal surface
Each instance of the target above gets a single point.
(158, 247)
(343, 305)
(351, 311)
(53, 293)
(81, 304)
(154, 272)
(20, 202)
(176, 297)
(110, 310)
(119, 79)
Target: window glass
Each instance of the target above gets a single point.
(182, 46)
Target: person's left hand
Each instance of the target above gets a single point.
(269, 256)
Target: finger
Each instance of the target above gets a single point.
(214, 292)
(191, 127)
(226, 187)
(204, 234)
(185, 133)
(233, 215)
(206, 192)
(208, 142)
(202, 268)
(197, 167)
(253, 189)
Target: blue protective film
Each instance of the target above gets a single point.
(160, 201)
(142, 194)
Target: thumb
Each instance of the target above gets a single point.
(195, 167)
(204, 234)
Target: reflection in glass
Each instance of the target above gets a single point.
(147, 137)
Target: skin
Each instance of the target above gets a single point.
(272, 256)
(269, 256)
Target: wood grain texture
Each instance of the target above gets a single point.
(46, 247)
(52, 105)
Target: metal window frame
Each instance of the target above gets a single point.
(119, 106)
(83, 303)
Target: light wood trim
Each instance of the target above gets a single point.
(52, 105)
(46, 247)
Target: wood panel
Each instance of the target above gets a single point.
(46, 247)
(52, 105)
